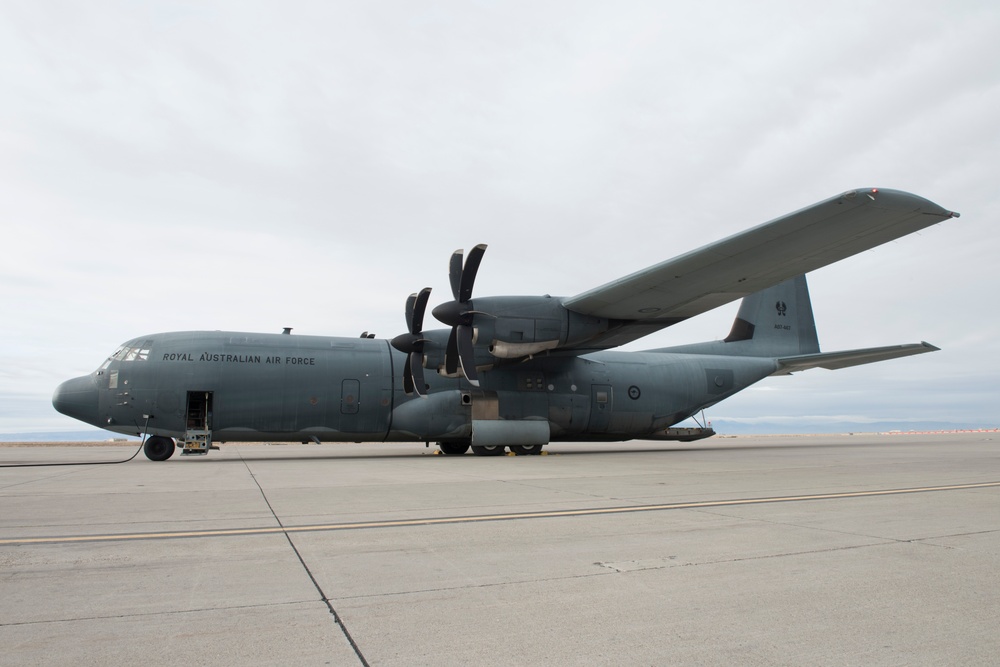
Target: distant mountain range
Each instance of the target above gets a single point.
(727, 427)
(721, 426)
(89, 435)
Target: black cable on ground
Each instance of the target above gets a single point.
(75, 463)
(142, 444)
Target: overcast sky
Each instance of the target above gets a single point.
(250, 166)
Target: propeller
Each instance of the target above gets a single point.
(458, 313)
(412, 343)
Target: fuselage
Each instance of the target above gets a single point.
(265, 387)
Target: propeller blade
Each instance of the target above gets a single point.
(415, 365)
(407, 377)
(469, 272)
(415, 317)
(410, 306)
(455, 272)
(451, 355)
(457, 313)
(466, 352)
(412, 343)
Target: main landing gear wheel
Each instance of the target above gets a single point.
(158, 448)
(453, 448)
(488, 450)
(526, 450)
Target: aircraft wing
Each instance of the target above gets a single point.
(750, 261)
(837, 360)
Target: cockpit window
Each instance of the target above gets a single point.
(142, 351)
(119, 353)
(137, 352)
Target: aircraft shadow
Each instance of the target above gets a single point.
(422, 453)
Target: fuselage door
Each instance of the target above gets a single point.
(349, 395)
(601, 405)
(199, 411)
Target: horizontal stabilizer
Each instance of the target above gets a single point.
(836, 360)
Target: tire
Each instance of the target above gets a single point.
(158, 448)
(491, 450)
(453, 448)
(526, 450)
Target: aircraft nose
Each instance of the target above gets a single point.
(77, 398)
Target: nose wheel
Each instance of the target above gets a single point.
(158, 448)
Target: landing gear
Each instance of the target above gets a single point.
(488, 450)
(453, 448)
(158, 448)
(526, 450)
(461, 447)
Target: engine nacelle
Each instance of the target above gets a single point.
(513, 327)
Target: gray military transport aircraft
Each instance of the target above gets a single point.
(514, 372)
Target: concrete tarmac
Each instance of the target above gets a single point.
(818, 550)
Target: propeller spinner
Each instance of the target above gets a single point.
(458, 313)
(412, 343)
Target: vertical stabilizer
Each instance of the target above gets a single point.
(775, 322)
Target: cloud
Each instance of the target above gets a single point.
(216, 166)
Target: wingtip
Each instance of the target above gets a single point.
(892, 198)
